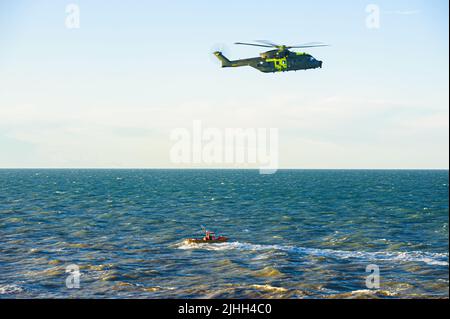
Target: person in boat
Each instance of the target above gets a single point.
(208, 236)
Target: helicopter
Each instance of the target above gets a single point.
(280, 59)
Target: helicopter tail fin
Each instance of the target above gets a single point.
(223, 59)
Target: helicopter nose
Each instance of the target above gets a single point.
(320, 64)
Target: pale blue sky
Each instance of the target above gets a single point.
(109, 94)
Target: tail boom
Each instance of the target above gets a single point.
(236, 63)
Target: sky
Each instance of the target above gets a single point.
(109, 93)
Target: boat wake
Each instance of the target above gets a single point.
(440, 259)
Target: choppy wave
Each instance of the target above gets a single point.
(321, 226)
(439, 259)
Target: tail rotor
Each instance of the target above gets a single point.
(221, 48)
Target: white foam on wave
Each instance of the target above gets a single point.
(10, 289)
(440, 259)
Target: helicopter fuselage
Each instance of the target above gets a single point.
(275, 61)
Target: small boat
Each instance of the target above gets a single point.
(220, 239)
(210, 238)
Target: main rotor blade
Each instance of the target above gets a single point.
(252, 44)
(308, 45)
(268, 43)
(312, 43)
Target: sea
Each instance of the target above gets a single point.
(121, 233)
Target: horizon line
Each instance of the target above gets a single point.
(226, 168)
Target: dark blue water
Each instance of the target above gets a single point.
(294, 234)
